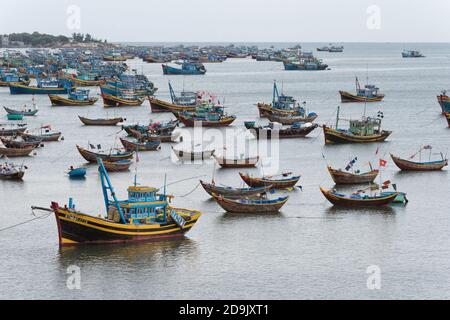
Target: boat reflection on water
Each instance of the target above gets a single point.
(384, 210)
(131, 254)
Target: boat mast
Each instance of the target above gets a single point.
(275, 93)
(172, 94)
(337, 117)
(106, 185)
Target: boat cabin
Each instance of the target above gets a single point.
(143, 206)
(79, 95)
(369, 91)
(365, 127)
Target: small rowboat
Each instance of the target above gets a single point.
(121, 165)
(28, 112)
(100, 122)
(77, 172)
(260, 205)
(141, 145)
(192, 155)
(111, 157)
(285, 183)
(248, 162)
(407, 165)
(114, 101)
(342, 177)
(357, 200)
(15, 152)
(231, 192)
(46, 137)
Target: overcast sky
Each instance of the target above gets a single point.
(234, 20)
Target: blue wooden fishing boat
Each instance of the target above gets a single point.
(370, 93)
(75, 97)
(144, 216)
(44, 86)
(285, 109)
(76, 172)
(187, 68)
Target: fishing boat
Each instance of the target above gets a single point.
(144, 216)
(282, 181)
(209, 118)
(251, 205)
(344, 177)
(276, 131)
(45, 134)
(291, 119)
(412, 54)
(18, 142)
(10, 171)
(100, 121)
(129, 100)
(194, 153)
(284, 108)
(12, 130)
(408, 165)
(232, 192)
(187, 68)
(76, 97)
(367, 94)
(15, 152)
(44, 86)
(106, 156)
(444, 102)
(357, 199)
(304, 64)
(242, 162)
(121, 165)
(25, 111)
(85, 80)
(163, 130)
(76, 172)
(141, 145)
(366, 130)
(186, 101)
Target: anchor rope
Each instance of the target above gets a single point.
(25, 222)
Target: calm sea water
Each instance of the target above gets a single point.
(309, 250)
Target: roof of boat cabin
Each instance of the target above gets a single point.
(142, 189)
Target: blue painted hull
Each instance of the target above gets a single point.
(445, 106)
(77, 173)
(20, 89)
(168, 70)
